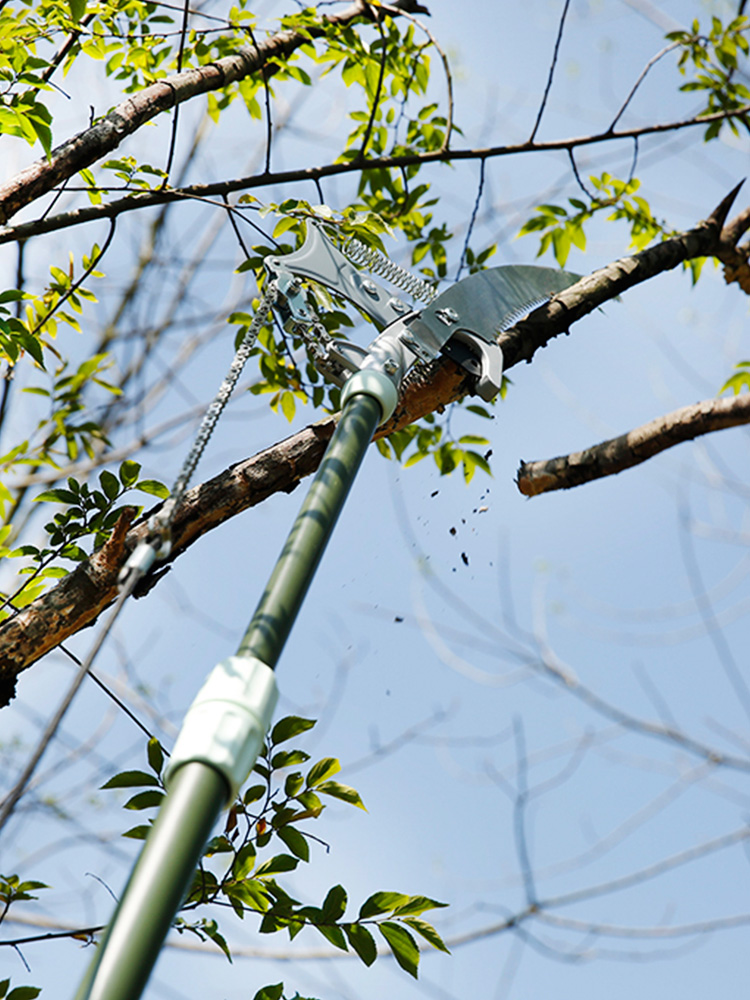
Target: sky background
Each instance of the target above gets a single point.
(418, 648)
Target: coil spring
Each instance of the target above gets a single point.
(378, 263)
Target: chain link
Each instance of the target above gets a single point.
(162, 520)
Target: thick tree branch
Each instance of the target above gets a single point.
(708, 238)
(146, 199)
(80, 597)
(627, 450)
(93, 143)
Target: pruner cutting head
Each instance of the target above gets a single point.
(463, 322)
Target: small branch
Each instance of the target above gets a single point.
(644, 73)
(628, 450)
(472, 220)
(144, 199)
(93, 143)
(378, 94)
(551, 75)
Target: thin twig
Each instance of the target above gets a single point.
(644, 72)
(551, 75)
(477, 200)
(176, 117)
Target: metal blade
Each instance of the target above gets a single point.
(488, 302)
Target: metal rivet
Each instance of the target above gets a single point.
(447, 316)
(370, 287)
(390, 366)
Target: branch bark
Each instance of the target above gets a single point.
(93, 143)
(145, 199)
(80, 598)
(638, 445)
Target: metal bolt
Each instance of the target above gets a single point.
(447, 316)
(390, 366)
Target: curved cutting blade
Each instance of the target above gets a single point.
(488, 302)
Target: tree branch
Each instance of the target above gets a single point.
(93, 143)
(145, 199)
(638, 445)
(80, 597)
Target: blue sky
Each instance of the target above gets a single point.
(420, 644)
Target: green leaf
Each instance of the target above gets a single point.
(77, 9)
(24, 993)
(155, 755)
(333, 934)
(334, 904)
(145, 800)
(57, 496)
(129, 472)
(382, 902)
(250, 892)
(288, 405)
(154, 487)
(293, 783)
(402, 944)
(244, 862)
(280, 863)
(253, 794)
(270, 992)
(417, 905)
(362, 942)
(322, 770)
(294, 840)
(110, 484)
(289, 727)
(4, 984)
(138, 832)
(344, 792)
(131, 779)
(211, 930)
(287, 758)
(428, 932)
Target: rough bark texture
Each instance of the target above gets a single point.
(106, 135)
(79, 598)
(627, 450)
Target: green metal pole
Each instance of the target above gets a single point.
(156, 887)
(286, 589)
(198, 790)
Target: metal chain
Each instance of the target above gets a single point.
(162, 520)
(378, 263)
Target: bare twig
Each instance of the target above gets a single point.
(551, 75)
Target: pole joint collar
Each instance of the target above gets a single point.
(226, 724)
(371, 382)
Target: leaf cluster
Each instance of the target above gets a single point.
(713, 58)
(274, 811)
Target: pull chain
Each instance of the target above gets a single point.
(160, 524)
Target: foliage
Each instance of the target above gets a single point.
(274, 812)
(385, 66)
(740, 380)
(713, 59)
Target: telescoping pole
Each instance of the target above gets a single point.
(226, 724)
